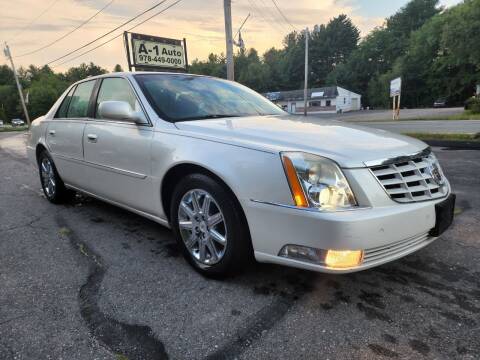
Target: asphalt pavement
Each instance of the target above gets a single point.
(427, 126)
(88, 280)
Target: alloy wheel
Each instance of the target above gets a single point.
(48, 177)
(202, 227)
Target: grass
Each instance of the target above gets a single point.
(454, 137)
(7, 128)
(466, 115)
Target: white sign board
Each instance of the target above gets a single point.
(395, 87)
(152, 53)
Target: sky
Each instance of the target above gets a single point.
(31, 24)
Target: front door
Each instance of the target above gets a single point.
(65, 133)
(117, 153)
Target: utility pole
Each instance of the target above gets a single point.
(305, 90)
(227, 7)
(19, 86)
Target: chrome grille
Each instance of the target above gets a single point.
(412, 179)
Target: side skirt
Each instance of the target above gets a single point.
(157, 219)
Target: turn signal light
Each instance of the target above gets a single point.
(297, 190)
(339, 259)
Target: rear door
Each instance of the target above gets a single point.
(65, 132)
(118, 152)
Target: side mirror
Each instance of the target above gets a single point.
(120, 110)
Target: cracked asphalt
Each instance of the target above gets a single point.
(87, 280)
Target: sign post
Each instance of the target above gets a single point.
(153, 53)
(395, 94)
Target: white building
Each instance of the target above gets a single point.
(332, 99)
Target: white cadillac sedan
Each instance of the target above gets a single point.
(235, 177)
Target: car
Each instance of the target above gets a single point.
(1, 124)
(18, 122)
(440, 103)
(236, 178)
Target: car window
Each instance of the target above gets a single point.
(117, 89)
(62, 110)
(188, 97)
(80, 100)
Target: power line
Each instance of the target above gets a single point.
(117, 36)
(107, 33)
(34, 20)
(283, 15)
(68, 33)
(262, 15)
(275, 18)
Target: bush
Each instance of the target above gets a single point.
(473, 104)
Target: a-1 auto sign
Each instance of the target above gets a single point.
(156, 53)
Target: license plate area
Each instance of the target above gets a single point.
(444, 215)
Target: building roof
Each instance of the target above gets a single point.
(329, 92)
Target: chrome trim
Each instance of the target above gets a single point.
(310, 209)
(157, 219)
(102, 167)
(425, 152)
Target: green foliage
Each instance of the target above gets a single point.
(473, 105)
(42, 85)
(118, 68)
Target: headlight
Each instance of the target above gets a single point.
(317, 182)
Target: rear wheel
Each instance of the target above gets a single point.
(52, 185)
(209, 225)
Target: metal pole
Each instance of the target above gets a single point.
(19, 86)
(227, 7)
(127, 50)
(186, 55)
(305, 90)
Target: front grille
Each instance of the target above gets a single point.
(412, 179)
(397, 248)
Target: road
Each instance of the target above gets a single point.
(87, 280)
(386, 115)
(427, 126)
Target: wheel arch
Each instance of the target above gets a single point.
(179, 171)
(38, 150)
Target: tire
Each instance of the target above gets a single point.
(52, 185)
(197, 230)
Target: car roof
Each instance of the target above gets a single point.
(131, 74)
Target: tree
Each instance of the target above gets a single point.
(330, 46)
(118, 68)
(83, 71)
(377, 53)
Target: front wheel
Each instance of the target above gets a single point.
(209, 225)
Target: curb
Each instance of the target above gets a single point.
(455, 144)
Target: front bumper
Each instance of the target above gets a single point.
(384, 233)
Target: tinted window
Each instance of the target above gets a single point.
(187, 97)
(117, 89)
(80, 100)
(62, 110)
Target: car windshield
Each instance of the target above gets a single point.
(190, 97)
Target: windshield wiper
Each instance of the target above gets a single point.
(209, 116)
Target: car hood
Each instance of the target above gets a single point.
(347, 144)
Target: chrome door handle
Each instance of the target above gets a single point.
(52, 132)
(92, 138)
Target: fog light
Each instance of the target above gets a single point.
(343, 258)
(334, 259)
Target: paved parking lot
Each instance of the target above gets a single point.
(90, 281)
